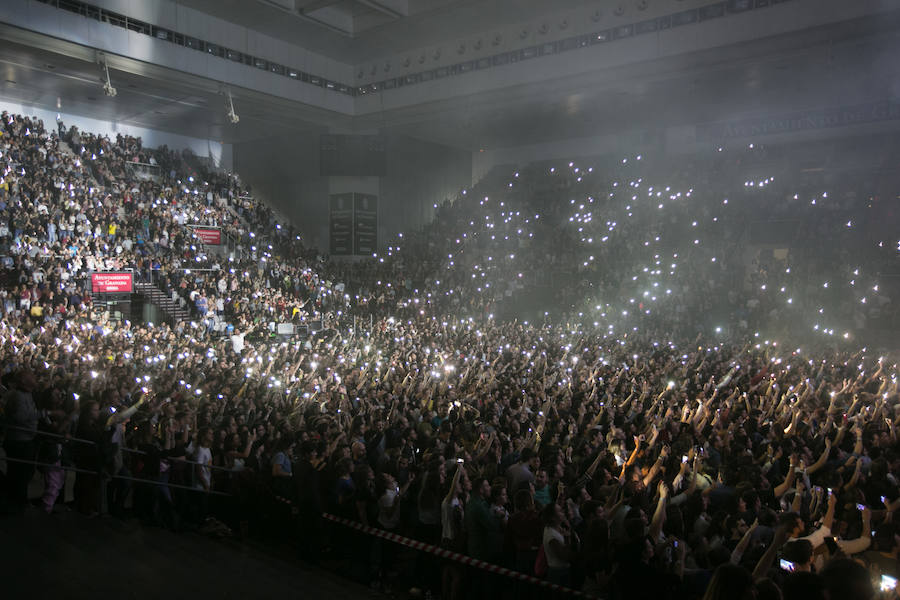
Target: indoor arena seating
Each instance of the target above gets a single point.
(639, 429)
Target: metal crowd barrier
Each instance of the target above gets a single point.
(545, 587)
(456, 557)
(104, 476)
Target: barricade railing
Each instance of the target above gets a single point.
(181, 461)
(375, 532)
(68, 438)
(456, 557)
(103, 476)
(41, 433)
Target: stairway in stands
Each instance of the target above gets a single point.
(172, 309)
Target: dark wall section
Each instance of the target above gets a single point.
(285, 172)
(419, 174)
(352, 155)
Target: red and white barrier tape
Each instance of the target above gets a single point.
(455, 556)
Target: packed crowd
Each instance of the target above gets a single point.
(620, 454)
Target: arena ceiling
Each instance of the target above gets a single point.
(147, 96)
(352, 31)
(818, 67)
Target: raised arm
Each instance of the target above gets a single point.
(659, 516)
(766, 560)
(785, 485)
(858, 446)
(823, 458)
(654, 470)
(739, 550)
(454, 484)
(862, 543)
(855, 478)
(798, 498)
(828, 521)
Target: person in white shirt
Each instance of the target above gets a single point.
(817, 537)
(452, 509)
(389, 500)
(202, 455)
(237, 342)
(557, 544)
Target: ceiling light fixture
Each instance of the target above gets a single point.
(229, 109)
(108, 89)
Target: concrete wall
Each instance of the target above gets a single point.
(285, 173)
(419, 175)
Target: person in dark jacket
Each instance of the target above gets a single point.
(21, 417)
(89, 457)
(308, 485)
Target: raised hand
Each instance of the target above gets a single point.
(662, 490)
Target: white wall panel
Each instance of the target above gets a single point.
(163, 13)
(259, 45)
(181, 18)
(229, 35)
(76, 29)
(196, 24)
(142, 45)
(219, 70)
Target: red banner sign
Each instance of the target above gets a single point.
(209, 236)
(112, 283)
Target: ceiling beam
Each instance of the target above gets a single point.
(285, 4)
(314, 5)
(385, 10)
(326, 25)
(303, 13)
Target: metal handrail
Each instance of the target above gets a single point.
(48, 465)
(142, 164)
(171, 485)
(179, 460)
(191, 270)
(39, 432)
(122, 477)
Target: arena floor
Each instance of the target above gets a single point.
(67, 555)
